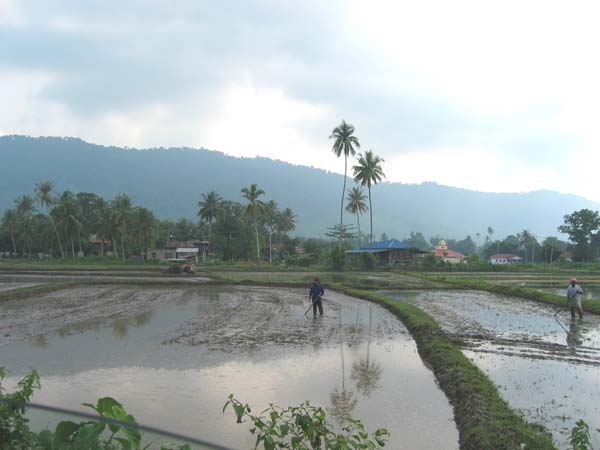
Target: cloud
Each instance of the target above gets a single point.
(423, 82)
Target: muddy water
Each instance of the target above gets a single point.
(547, 367)
(173, 356)
(10, 285)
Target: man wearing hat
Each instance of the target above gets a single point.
(574, 292)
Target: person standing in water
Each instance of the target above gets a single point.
(574, 293)
(316, 297)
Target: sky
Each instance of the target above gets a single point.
(492, 96)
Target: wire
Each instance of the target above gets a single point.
(180, 437)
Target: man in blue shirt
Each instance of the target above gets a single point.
(315, 296)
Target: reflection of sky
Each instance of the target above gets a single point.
(547, 391)
(545, 388)
(185, 387)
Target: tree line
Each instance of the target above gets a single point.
(61, 225)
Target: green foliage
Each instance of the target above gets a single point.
(580, 436)
(583, 229)
(368, 261)
(304, 427)
(338, 258)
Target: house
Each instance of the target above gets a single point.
(194, 249)
(391, 251)
(443, 253)
(505, 258)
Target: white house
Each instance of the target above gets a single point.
(505, 258)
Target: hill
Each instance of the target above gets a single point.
(170, 182)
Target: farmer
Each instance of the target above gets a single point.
(574, 292)
(315, 296)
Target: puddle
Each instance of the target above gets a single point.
(172, 356)
(545, 366)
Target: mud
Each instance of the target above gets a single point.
(545, 366)
(10, 285)
(172, 356)
(101, 277)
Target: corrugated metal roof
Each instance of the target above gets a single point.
(387, 245)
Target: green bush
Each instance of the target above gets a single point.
(338, 258)
(304, 427)
(368, 261)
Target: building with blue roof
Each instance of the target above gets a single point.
(391, 251)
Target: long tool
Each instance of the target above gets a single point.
(312, 303)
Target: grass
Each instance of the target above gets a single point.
(591, 306)
(33, 291)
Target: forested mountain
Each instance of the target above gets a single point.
(171, 181)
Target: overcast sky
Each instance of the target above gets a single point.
(493, 96)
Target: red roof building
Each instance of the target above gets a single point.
(445, 254)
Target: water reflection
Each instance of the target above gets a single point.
(40, 341)
(120, 327)
(342, 401)
(574, 334)
(366, 373)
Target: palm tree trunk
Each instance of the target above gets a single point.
(62, 253)
(270, 247)
(257, 244)
(79, 239)
(123, 247)
(209, 227)
(102, 246)
(72, 248)
(371, 215)
(12, 236)
(114, 242)
(342, 202)
(358, 222)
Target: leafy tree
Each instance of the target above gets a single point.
(209, 207)
(553, 248)
(417, 240)
(466, 246)
(286, 221)
(44, 197)
(368, 172)
(582, 227)
(345, 143)
(254, 208)
(356, 204)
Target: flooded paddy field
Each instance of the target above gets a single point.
(10, 285)
(172, 356)
(100, 277)
(545, 366)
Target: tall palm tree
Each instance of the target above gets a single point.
(356, 204)
(67, 217)
(43, 192)
(368, 172)
(105, 223)
(10, 223)
(271, 219)
(122, 211)
(254, 209)
(143, 227)
(209, 207)
(26, 232)
(344, 143)
(287, 221)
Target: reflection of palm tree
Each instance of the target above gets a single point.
(342, 402)
(142, 319)
(120, 328)
(366, 373)
(40, 341)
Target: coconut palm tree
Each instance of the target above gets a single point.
(254, 208)
(143, 227)
(287, 221)
(356, 204)
(271, 220)
(106, 228)
(344, 143)
(368, 172)
(10, 223)
(43, 192)
(122, 212)
(209, 207)
(24, 207)
(67, 217)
